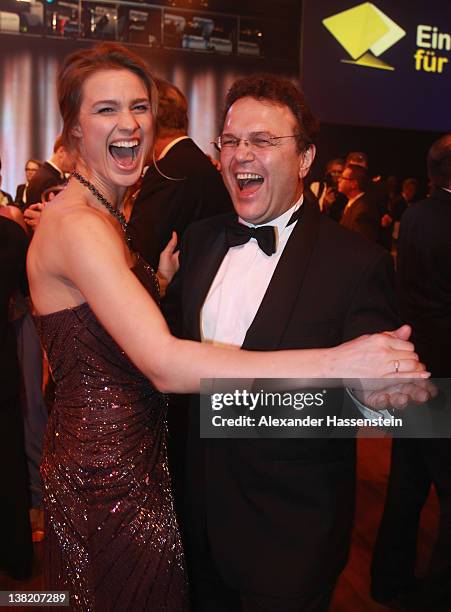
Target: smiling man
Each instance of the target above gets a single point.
(269, 522)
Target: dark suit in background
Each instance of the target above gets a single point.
(424, 278)
(424, 290)
(18, 200)
(363, 217)
(274, 517)
(47, 176)
(186, 188)
(16, 550)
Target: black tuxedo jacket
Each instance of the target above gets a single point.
(424, 278)
(362, 217)
(13, 251)
(47, 176)
(19, 195)
(279, 513)
(164, 205)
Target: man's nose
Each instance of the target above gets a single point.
(244, 150)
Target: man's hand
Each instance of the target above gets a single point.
(168, 263)
(216, 163)
(329, 197)
(386, 220)
(32, 215)
(393, 394)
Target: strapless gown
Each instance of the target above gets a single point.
(112, 539)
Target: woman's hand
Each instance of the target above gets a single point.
(168, 263)
(388, 355)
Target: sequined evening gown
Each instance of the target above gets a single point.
(111, 535)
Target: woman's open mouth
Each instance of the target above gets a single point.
(125, 152)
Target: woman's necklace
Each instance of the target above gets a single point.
(102, 199)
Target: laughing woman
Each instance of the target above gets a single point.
(113, 541)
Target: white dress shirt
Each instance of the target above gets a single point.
(240, 285)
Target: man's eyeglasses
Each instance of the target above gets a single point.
(254, 140)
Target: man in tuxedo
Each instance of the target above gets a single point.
(181, 184)
(31, 167)
(360, 213)
(268, 522)
(50, 174)
(424, 291)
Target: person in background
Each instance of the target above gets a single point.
(398, 201)
(424, 296)
(51, 173)
(31, 167)
(360, 213)
(181, 184)
(16, 551)
(330, 200)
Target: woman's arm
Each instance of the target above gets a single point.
(91, 256)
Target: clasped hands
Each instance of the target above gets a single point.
(398, 378)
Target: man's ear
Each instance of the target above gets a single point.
(306, 160)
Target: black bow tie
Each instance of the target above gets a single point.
(265, 235)
(238, 233)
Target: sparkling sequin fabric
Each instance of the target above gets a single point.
(111, 535)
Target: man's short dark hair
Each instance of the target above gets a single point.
(359, 174)
(410, 181)
(439, 162)
(358, 158)
(280, 91)
(172, 114)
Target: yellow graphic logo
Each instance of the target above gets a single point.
(365, 32)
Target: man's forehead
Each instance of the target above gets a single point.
(258, 112)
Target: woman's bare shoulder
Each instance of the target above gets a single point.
(66, 220)
(67, 230)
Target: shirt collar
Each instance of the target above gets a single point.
(61, 173)
(169, 146)
(352, 200)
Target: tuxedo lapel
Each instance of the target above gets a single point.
(205, 272)
(275, 310)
